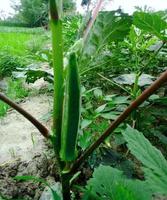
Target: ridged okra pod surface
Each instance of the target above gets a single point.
(71, 111)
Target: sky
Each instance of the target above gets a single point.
(127, 5)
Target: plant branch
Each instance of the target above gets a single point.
(93, 18)
(145, 95)
(42, 129)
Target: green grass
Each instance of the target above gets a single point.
(17, 47)
(3, 109)
(21, 30)
(15, 91)
(9, 63)
(17, 40)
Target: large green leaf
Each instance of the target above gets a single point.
(155, 165)
(110, 184)
(129, 79)
(151, 23)
(109, 26)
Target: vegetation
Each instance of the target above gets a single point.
(16, 41)
(16, 91)
(115, 130)
(35, 13)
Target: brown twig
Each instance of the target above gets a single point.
(145, 95)
(42, 129)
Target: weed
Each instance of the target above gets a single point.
(3, 108)
(15, 91)
(9, 63)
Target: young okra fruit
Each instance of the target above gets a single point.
(71, 111)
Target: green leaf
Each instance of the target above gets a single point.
(100, 108)
(109, 26)
(109, 115)
(55, 195)
(109, 97)
(155, 165)
(52, 193)
(129, 79)
(120, 100)
(85, 140)
(98, 93)
(85, 123)
(151, 23)
(110, 183)
(162, 138)
(31, 178)
(162, 101)
(34, 75)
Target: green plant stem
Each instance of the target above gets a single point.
(65, 180)
(57, 44)
(135, 104)
(135, 87)
(53, 7)
(42, 129)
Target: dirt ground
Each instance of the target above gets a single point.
(19, 138)
(24, 151)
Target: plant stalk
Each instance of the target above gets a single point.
(92, 20)
(57, 45)
(65, 180)
(135, 104)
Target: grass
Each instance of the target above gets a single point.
(16, 40)
(17, 47)
(15, 91)
(9, 63)
(3, 109)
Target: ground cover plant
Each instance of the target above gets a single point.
(16, 91)
(15, 40)
(71, 116)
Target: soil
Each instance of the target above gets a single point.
(24, 151)
(19, 138)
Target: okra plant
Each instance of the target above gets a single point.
(67, 104)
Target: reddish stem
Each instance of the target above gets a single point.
(94, 15)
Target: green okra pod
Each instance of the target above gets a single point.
(71, 111)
